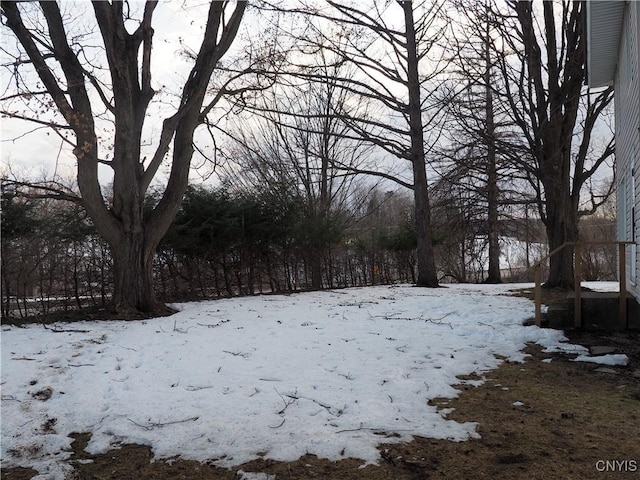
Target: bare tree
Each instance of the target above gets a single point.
(476, 121)
(393, 48)
(71, 83)
(541, 56)
(297, 144)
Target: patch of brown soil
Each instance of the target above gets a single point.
(89, 313)
(537, 420)
(18, 473)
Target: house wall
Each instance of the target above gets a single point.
(627, 112)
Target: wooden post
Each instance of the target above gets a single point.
(623, 285)
(577, 279)
(537, 278)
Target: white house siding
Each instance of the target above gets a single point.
(627, 112)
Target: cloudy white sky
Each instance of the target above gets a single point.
(30, 150)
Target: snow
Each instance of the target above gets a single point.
(254, 476)
(602, 286)
(566, 348)
(612, 359)
(334, 374)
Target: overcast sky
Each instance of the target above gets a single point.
(34, 151)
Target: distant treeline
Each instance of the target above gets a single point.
(226, 243)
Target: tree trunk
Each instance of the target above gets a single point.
(316, 270)
(561, 227)
(133, 275)
(492, 176)
(427, 274)
(493, 274)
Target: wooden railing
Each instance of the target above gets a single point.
(577, 279)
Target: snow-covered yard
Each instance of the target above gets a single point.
(330, 373)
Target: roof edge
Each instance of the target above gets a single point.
(604, 29)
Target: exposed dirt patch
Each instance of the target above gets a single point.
(540, 420)
(558, 420)
(627, 342)
(87, 314)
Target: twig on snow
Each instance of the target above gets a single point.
(238, 354)
(375, 430)
(127, 348)
(152, 425)
(328, 408)
(214, 325)
(180, 330)
(65, 330)
(195, 389)
(292, 399)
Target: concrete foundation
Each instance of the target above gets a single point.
(600, 311)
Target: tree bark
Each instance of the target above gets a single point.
(427, 273)
(133, 272)
(563, 228)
